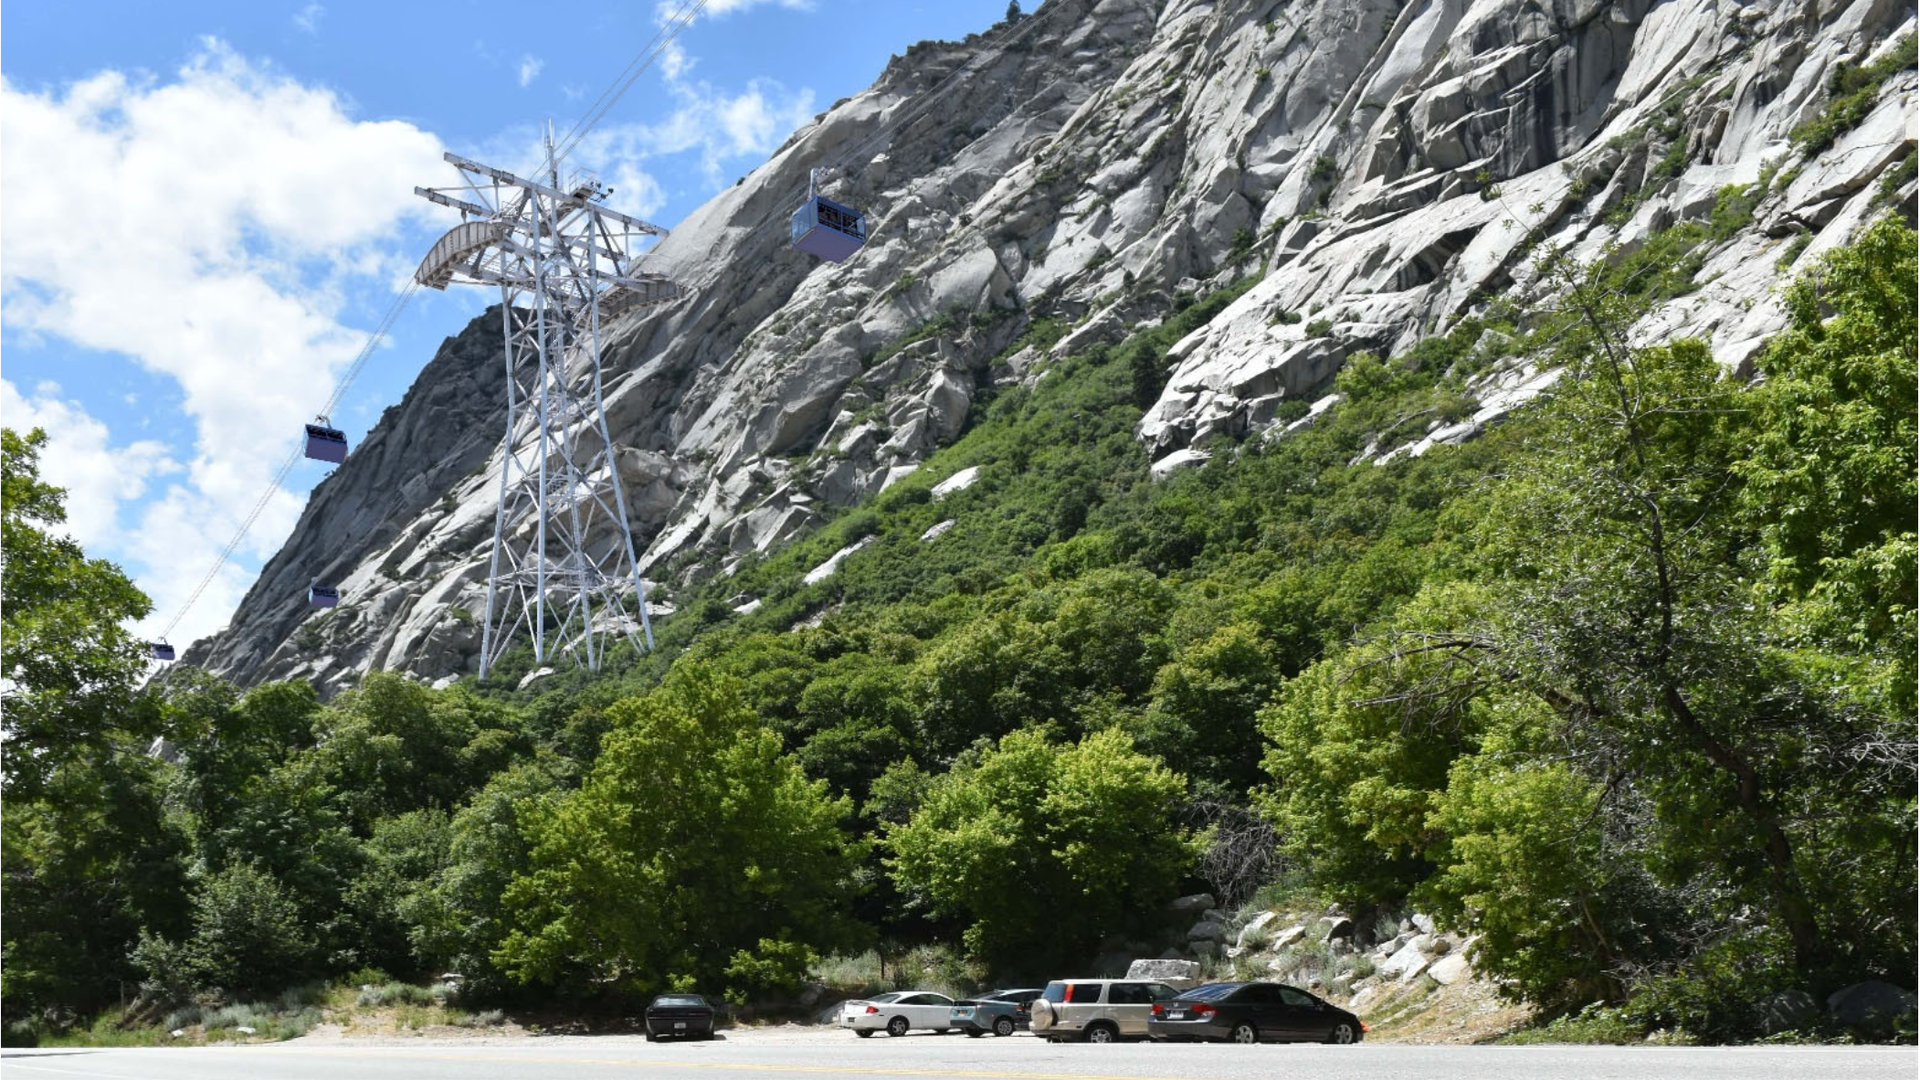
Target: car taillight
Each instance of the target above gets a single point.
(1159, 1009)
(1202, 1009)
(871, 1010)
(1364, 1028)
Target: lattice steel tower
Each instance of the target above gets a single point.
(563, 567)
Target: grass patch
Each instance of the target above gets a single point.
(1596, 1025)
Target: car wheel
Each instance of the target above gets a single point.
(1245, 1033)
(1342, 1033)
(1102, 1033)
(897, 1026)
(1003, 1027)
(865, 1033)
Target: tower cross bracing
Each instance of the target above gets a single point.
(563, 572)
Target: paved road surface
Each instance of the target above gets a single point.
(762, 1055)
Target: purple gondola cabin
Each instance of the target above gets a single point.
(160, 650)
(326, 444)
(825, 228)
(323, 596)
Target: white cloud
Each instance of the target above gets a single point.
(228, 210)
(530, 66)
(79, 457)
(307, 19)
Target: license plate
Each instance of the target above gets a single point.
(1176, 1014)
(681, 1024)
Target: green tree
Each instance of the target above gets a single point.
(461, 920)
(249, 937)
(89, 855)
(1830, 475)
(692, 840)
(67, 663)
(1045, 849)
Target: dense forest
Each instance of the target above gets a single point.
(1626, 685)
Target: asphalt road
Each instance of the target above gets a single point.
(760, 1055)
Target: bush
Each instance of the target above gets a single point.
(1319, 328)
(248, 933)
(395, 993)
(775, 966)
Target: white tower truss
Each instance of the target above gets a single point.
(563, 569)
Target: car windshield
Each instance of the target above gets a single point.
(679, 999)
(1211, 991)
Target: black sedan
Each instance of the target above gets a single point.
(1253, 1012)
(686, 1016)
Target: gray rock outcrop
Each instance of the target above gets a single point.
(1393, 164)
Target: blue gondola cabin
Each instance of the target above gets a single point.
(825, 228)
(326, 444)
(323, 596)
(160, 650)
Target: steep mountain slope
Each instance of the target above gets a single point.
(1396, 166)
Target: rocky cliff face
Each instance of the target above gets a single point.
(1393, 164)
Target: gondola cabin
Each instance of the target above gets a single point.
(160, 650)
(323, 596)
(326, 444)
(825, 228)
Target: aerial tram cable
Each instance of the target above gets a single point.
(160, 650)
(662, 38)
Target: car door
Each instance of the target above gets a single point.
(1130, 1004)
(1259, 1004)
(1301, 1016)
(931, 1011)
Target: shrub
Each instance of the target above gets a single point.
(395, 993)
(1319, 328)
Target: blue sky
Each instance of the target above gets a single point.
(206, 207)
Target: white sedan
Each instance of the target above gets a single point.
(897, 1013)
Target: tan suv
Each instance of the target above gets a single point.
(1097, 1010)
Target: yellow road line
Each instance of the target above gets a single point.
(843, 1070)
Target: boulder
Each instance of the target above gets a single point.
(1175, 973)
(1788, 1010)
(1254, 926)
(1450, 969)
(1870, 1006)
(1338, 926)
(1292, 935)
(1422, 923)
(1410, 956)
(1208, 929)
(1191, 905)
